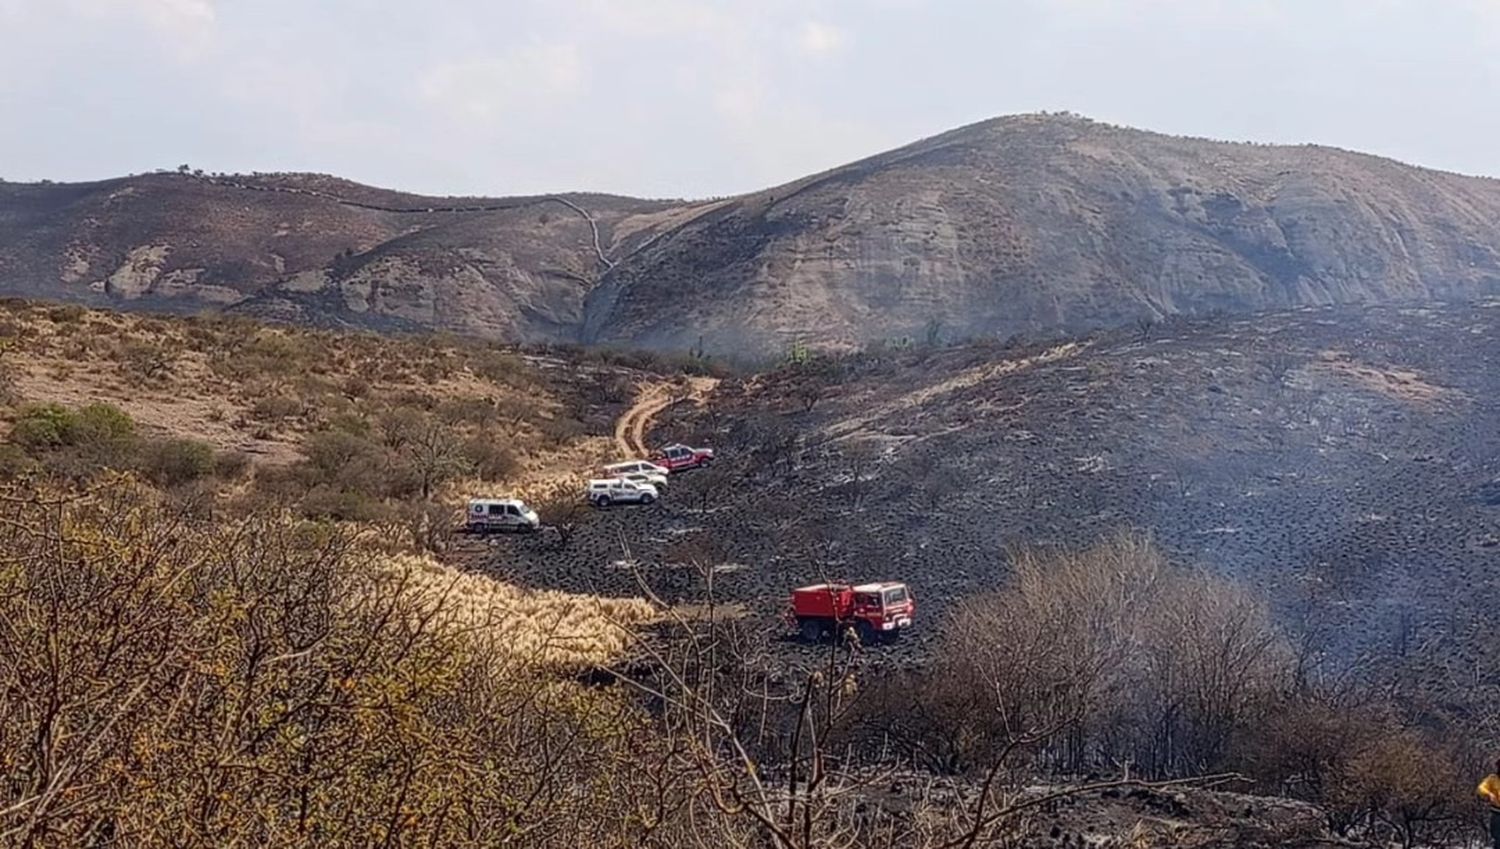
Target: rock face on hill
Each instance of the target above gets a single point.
(1035, 224)
(310, 250)
(1026, 225)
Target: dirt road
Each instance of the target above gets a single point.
(631, 428)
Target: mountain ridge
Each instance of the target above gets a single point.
(1035, 224)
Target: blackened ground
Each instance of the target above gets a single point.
(1343, 461)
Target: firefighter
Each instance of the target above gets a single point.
(1489, 791)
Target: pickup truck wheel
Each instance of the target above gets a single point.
(809, 631)
(601, 502)
(647, 499)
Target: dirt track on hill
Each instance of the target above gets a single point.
(632, 427)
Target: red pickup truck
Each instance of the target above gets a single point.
(680, 458)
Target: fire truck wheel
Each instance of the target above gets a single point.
(809, 631)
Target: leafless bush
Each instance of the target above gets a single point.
(266, 683)
(1406, 787)
(147, 362)
(562, 510)
(1278, 366)
(1159, 665)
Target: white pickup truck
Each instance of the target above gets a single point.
(610, 491)
(637, 471)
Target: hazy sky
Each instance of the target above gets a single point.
(680, 98)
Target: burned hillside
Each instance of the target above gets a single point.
(1341, 461)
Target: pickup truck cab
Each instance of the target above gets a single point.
(610, 491)
(500, 514)
(680, 458)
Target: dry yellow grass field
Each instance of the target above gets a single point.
(260, 389)
(547, 628)
(268, 392)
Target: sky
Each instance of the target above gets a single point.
(676, 98)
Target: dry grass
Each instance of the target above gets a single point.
(262, 389)
(882, 406)
(1395, 383)
(550, 628)
(268, 392)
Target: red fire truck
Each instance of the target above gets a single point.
(873, 611)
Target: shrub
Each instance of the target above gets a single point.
(55, 426)
(415, 401)
(14, 461)
(1409, 787)
(66, 313)
(491, 460)
(363, 699)
(500, 367)
(231, 465)
(44, 426)
(1150, 663)
(351, 423)
(102, 437)
(563, 512)
(275, 408)
(174, 462)
(351, 461)
(147, 362)
(330, 502)
(103, 423)
(78, 442)
(478, 411)
(11, 329)
(560, 431)
(356, 386)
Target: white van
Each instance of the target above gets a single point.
(500, 514)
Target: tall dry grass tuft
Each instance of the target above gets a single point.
(546, 627)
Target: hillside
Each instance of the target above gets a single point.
(311, 250)
(1031, 225)
(283, 555)
(1341, 462)
(333, 424)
